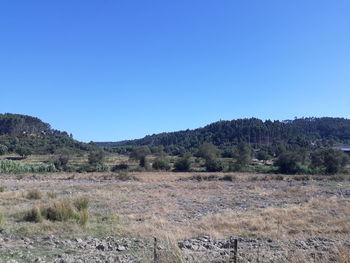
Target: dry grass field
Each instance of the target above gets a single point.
(178, 206)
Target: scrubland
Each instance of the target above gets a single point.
(173, 207)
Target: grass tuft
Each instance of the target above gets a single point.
(81, 203)
(34, 194)
(34, 215)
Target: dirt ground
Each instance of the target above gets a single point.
(275, 219)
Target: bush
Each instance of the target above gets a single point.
(92, 168)
(329, 160)
(3, 149)
(211, 177)
(96, 158)
(34, 194)
(262, 156)
(288, 163)
(2, 189)
(214, 165)
(228, 177)
(62, 160)
(183, 164)
(161, 164)
(118, 167)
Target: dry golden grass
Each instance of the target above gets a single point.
(161, 205)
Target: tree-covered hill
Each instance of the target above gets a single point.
(298, 133)
(25, 135)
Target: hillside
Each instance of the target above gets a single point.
(304, 132)
(27, 134)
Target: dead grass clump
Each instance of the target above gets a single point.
(33, 215)
(34, 194)
(60, 211)
(81, 203)
(2, 220)
(83, 218)
(124, 176)
(210, 177)
(51, 195)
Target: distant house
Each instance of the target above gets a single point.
(345, 149)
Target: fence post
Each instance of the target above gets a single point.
(234, 257)
(155, 255)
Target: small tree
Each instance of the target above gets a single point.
(241, 157)
(208, 151)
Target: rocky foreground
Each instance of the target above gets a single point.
(202, 249)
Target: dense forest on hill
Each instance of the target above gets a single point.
(310, 133)
(26, 135)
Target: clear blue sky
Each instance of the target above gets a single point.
(112, 70)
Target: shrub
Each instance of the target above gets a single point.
(329, 160)
(92, 168)
(62, 160)
(34, 194)
(118, 167)
(211, 177)
(288, 163)
(228, 177)
(213, 165)
(2, 189)
(161, 164)
(183, 164)
(262, 156)
(3, 149)
(96, 158)
(34, 215)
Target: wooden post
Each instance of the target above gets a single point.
(155, 255)
(234, 246)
